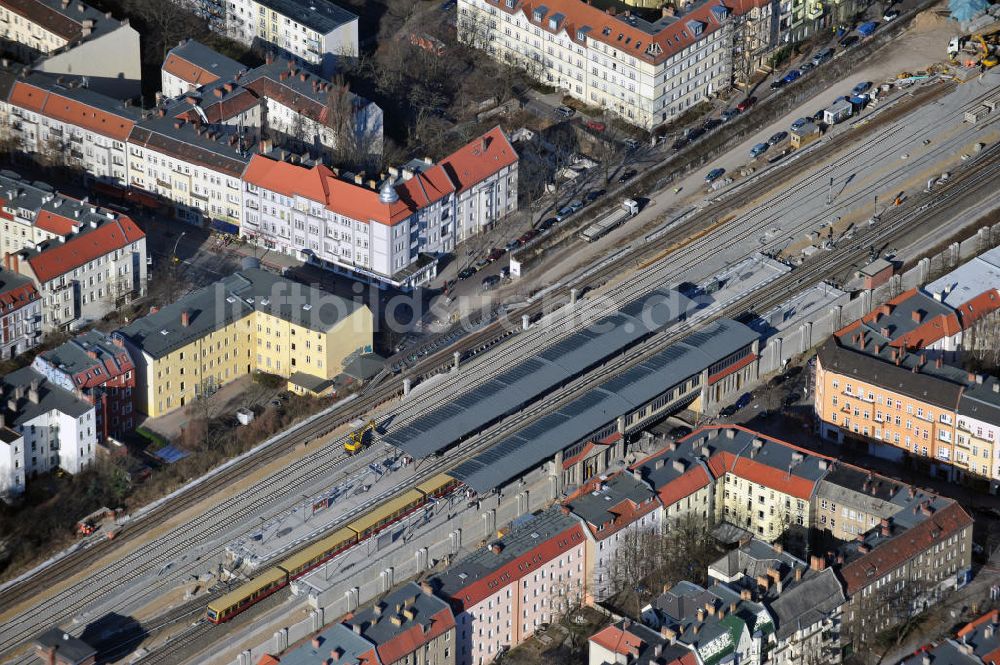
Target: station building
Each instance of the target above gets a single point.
(250, 321)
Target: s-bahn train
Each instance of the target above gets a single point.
(224, 608)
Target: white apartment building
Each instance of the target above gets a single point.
(502, 593)
(75, 38)
(45, 427)
(646, 73)
(191, 65)
(304, 107)
(56, 117)
(97, 266)
(20, 315)
(388, 232)
(176, 155)
(314, 31)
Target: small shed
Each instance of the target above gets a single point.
(838, 112)
(804, 135)
(876, 273)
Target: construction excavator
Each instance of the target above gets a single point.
(979, 50)
(357, 440)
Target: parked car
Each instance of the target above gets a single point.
(861, 88)
(728, 411)
(792, 76)
(849, 41)
(822, 56)
(593, 195)
(495, 254)
(513, 244)
(547, 224)
(711, 124)
(801, 122)
(631, 144)
(890, 15)
(744, 401)
(680, 143)
(819, 115)
(745, 105)
(490, 282)
(806, 66)
(777, 138)
(714, 175)
(565, 111)
(728, 115)
(505, 272)
(759, 150)
(628, 175)
(777, 84)
(596, 126)
(527, 237)
(695, 133)
(466, 273)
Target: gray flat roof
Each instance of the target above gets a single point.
(320, 15)
(217, 305)
(596, 507)
(982, 401)
(566, 358)
(969, 279)
(67, 647)
(602, 405)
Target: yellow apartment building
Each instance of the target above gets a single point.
(250, 321)
(868, 390)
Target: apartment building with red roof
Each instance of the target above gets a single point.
(99, 368)
(645, 72)
(629, 643)
(615, 509)
(389, 231)
(503, 592)
(70, 37)
(408, 625)
(81, 276)
(64, 119)
(20, 315)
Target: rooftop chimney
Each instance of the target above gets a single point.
(917, 315)
(817, 562)
(185, 318)
(798, 574)
(700, 614)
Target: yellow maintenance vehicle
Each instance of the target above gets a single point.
(975, 50)
(356, 442)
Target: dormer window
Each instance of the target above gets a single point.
(696, 27)
(539, 13)
(510, 4)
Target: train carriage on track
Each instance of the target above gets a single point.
(227, 606)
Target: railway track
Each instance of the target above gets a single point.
(772, 294)
(321, 426)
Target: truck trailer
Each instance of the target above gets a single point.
(629, 208)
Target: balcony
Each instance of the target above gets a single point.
(199, 195)
(164, 184)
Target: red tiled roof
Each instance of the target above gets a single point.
(188, 71)
(17, 297)
(776, 479)
(54, 223)
(895, 552)
(990, 617)
(78, 250)
(510, 572)
(687, 484)
(268, 659)
(985, 303)
(48, 18)
(410, 640)
(619, 35)
(480, 158)
(70, 111)
(289, 179)
(928, 332)
(427, 187)
(618, 641)
(732, 369)
(218, 110)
